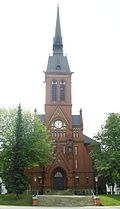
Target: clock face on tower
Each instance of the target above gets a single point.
(58, 123)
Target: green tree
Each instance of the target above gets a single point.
(24, 143)
(106, 149)
(18, 163)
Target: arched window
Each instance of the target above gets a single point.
(54, 90)
(62, 90)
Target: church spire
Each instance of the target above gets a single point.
(57, 41)
(58, 63)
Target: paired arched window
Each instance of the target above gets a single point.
(54, 90)
(61, 90)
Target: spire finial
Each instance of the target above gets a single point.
(80, 111)
(57, 41)
(81, 118)
(35, 111)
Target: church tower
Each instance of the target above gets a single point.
(71, 168)
(58, 107)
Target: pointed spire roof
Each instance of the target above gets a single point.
(57, 41)
(58, 63)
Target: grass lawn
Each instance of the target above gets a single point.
(110, 200)
(11, 199)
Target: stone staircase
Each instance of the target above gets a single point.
(65, 200)
(60, 192)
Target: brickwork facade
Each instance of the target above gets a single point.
(71, 167)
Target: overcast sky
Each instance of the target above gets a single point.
(91, 38)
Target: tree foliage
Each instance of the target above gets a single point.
(106, 149)
(24, 143)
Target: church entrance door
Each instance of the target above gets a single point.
(59, 180)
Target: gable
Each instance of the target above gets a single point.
(58, 113)
(58, 161)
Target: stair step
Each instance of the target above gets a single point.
(62, 200)
(60, 192)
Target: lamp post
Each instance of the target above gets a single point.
(76, 183)
(35, 179)
(40, 182)
(43, 177)
(96, 185)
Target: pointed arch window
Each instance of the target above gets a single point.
(54, 90)
(62, 90)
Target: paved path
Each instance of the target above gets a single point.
(36, 207)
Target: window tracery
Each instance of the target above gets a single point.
(75, 132)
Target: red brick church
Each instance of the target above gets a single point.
(71, 168)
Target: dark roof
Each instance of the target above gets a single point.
(76, 120)
(58, 64)
(87, 140)
(42, 118)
